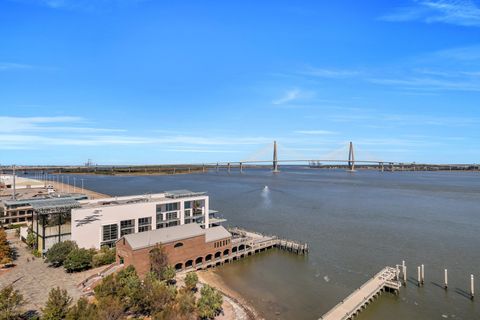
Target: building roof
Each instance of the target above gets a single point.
(183, 193)
(216, 233)
(150, 238)
(55, 203)
(46, 200)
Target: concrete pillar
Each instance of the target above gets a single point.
(216, 168)
(229, 166)
(241, 167)
(405, 275)
(206, 210)
(446, 280)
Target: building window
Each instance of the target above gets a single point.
(110, 234)
(178, 244)
(188, 204)
(127, 227)
(144, 224)
(172, 215)
(171, 206)
(173, 223)
(188, 212)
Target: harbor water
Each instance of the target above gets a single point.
(355, 224)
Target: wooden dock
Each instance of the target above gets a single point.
(260, 241)
(385, 280)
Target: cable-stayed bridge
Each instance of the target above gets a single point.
(269, 155)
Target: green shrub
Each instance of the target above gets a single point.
(30, 238)
(168, 274)
(57, 305)
(5, 249)
(78, 260)
(10, 302)
(210, 302)
(57, 254)
(191, 280)
(82, 310)
(103, 257)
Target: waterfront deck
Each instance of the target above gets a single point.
(385, 280)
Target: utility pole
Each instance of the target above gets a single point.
(14, 184)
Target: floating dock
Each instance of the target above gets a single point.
(385, 280)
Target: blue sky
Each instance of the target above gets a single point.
(129, 81)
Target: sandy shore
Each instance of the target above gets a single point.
(65, 188)
(241, 309)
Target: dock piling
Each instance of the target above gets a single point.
(446, 280)
(419, 276)
(423, 274)
(472, 287)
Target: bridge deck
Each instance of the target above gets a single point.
(354, 303)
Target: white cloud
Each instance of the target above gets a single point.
(82, 5)
(458, 12)
(329, 73)
(11, 66)
(35, 132)
(315, 132)
(288, 96)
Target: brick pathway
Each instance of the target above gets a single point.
(35, 279)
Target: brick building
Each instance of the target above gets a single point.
(187, 247)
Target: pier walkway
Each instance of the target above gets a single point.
(385, 280)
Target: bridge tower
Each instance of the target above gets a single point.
(275, 158)
(351, 158)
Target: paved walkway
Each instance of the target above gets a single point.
(35, 279)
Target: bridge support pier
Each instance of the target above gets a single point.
(229, 167)
(351, 158)
(275, 158)
(241, 167)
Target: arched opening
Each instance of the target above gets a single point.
(226, 252)
(179, 266)
(199, 260)
(178, 245)
(218, 255)
(189, 264)
(241, 247)
(208, 257)
(234, 249)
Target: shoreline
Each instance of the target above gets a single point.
(231, 296)
(68, 188)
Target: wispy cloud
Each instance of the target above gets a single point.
(13, 66)
(315, 132)
(82, 5)
(37, 132)
(458, 12)
(431, 83)
(49, 124)
(288, 96)
(329, 73)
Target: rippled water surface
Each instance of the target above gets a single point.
(355, 224)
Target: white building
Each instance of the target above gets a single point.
(102, 221)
